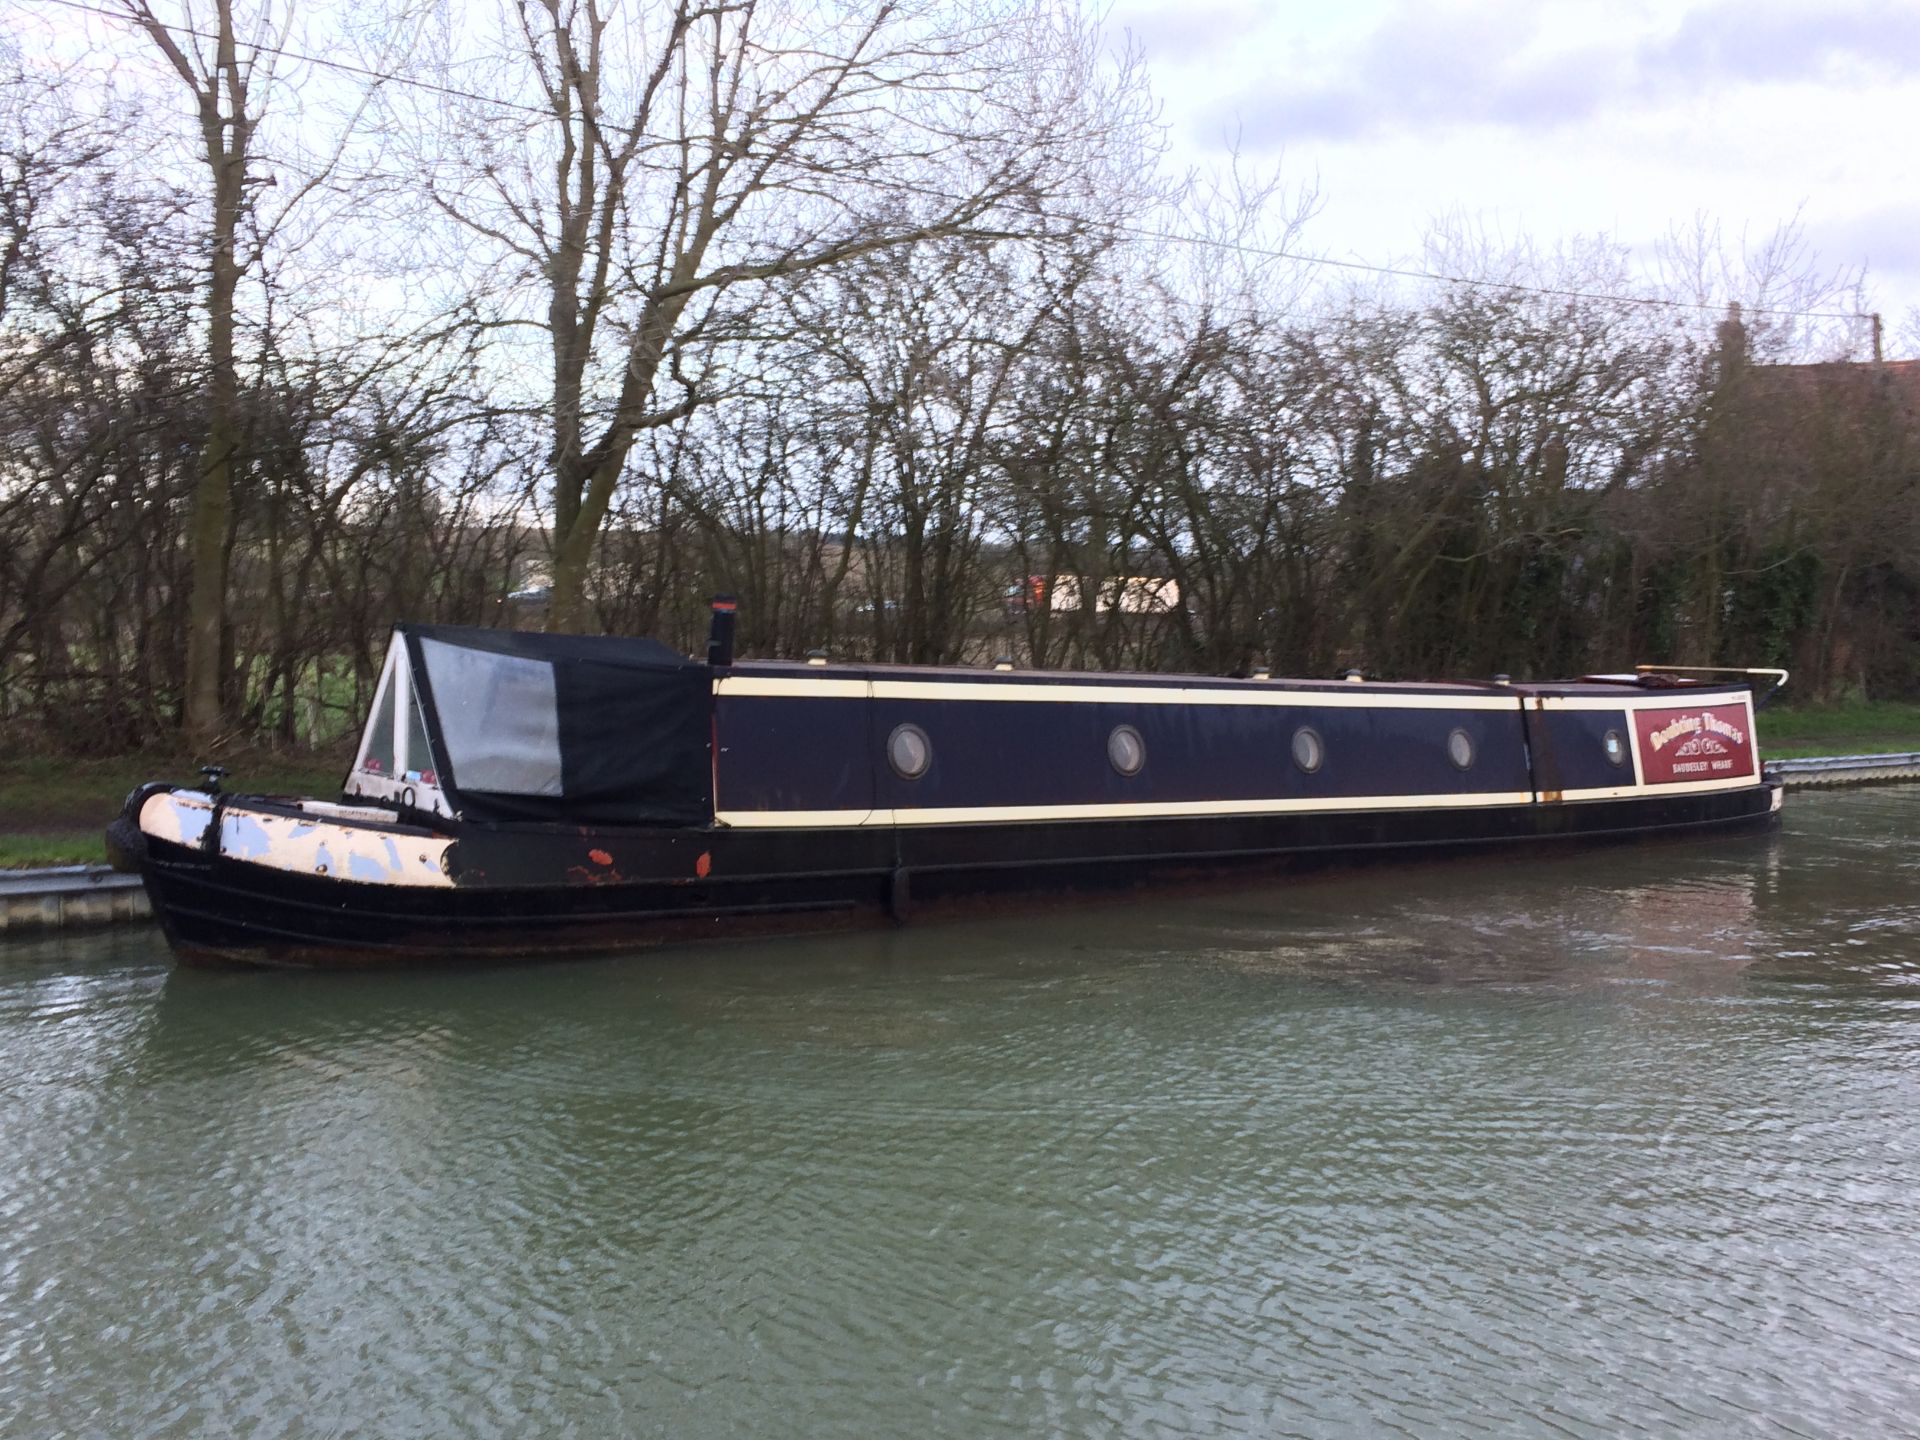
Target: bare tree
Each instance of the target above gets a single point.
(685, 149)
(226, 63)
(220, 79)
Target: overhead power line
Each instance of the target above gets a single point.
(1140, 231)
(347, 67)
(1440, 277)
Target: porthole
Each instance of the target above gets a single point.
(1460, 750)
(1615, 745)
(1309, 750)
(909, 751)
(1126, 751)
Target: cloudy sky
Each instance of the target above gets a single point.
(1551, 118)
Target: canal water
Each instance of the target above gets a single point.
(1619, 1143)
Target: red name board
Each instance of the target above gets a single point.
(1700, 742)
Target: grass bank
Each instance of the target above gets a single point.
(53, 811)
(1858, 728)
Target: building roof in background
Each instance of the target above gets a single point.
(1852, 382)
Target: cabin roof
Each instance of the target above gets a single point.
(635, 653)
(854, 670)
(621, 651)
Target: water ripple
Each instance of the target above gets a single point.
(1592, 1146)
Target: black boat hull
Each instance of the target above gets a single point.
(523, 891)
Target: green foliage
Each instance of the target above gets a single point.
(1771, 607)
(1659, 601)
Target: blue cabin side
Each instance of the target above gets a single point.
(795, 747)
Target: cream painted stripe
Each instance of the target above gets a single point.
(1735, 782)
(819, 689)
(1169, 809)
(1358, 699)
(1644, 792)
(1666, 700)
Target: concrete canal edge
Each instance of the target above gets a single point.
(1846, 770)
(68, 897)
(71, 896)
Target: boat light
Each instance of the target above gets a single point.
(1503, 679)
(816, 657)
(1003, 662)
(1354, 677)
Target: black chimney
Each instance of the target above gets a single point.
(720, 632)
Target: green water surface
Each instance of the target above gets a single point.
(1626, 1142)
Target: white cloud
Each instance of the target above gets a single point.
(1423, 66)
(1553, 117)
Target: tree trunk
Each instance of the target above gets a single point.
(225, 134)
(212, 514)
(582, 502)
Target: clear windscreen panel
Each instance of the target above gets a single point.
(419, 760)
(376, 746)
(499, 719)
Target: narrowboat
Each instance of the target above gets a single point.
(520, 794)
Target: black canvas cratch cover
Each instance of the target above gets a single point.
(591, 729)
